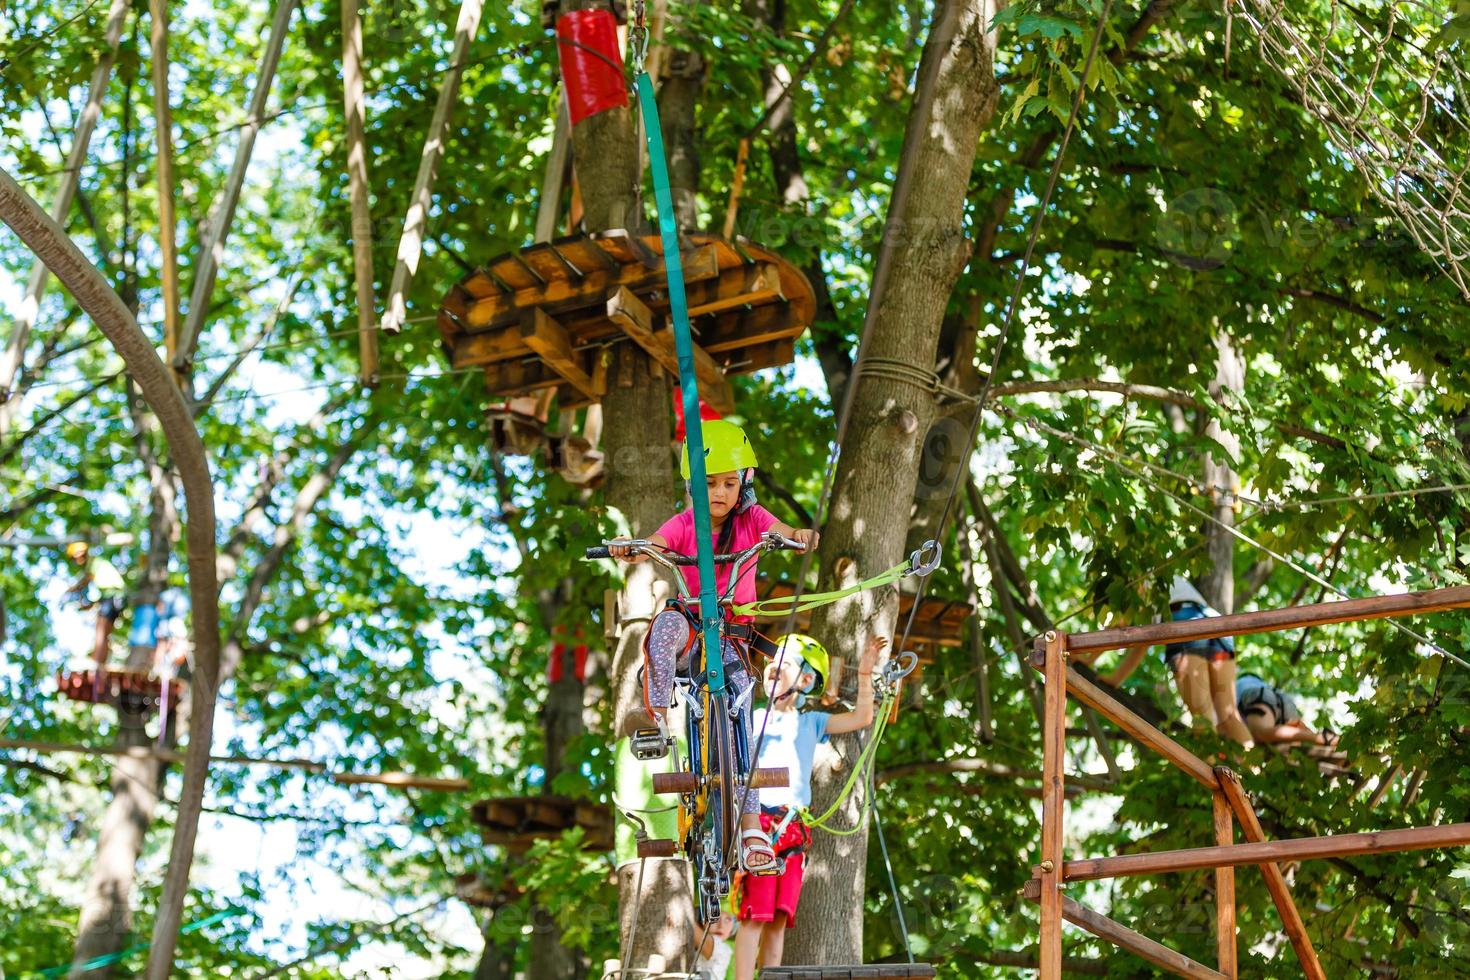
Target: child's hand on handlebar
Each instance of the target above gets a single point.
(625, 552)
(807, 537)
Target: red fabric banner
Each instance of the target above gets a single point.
(591, 64)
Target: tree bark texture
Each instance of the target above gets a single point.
(1220, 478)
(879, 465)
(13, 357)
(678, 100)
(48, 240)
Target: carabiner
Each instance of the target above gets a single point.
(917, 565)
(900, 666)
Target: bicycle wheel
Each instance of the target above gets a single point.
(724, 787)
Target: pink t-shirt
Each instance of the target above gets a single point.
(678, 531)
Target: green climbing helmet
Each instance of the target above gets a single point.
(725, 448)
(813, 658)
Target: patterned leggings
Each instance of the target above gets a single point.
(667, 651)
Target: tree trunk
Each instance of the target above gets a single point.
(678, 98)
(880, 461)
(1220, 479)
(640, 481)
(605, 156)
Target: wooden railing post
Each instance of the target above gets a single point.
(1224, 888)
(1053, 648)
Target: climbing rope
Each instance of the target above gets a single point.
(923, 561)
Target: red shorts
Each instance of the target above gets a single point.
(762, 896)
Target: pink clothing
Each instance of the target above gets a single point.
(678, 531)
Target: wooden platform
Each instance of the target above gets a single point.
(517, 822)
(938, 623)
(539, 318)
(475, 889)
(135, 690)
(872, 971)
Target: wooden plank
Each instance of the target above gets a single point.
(1275, 620)
(737, 184)
(1291, 918)
(354, 104)
(737, 288)
(870, 971)
(1138, 729)
(1225, 951)
(558, 168)
(222, 212)
(747, 328)
(562, 294)
(550, 340)
(636, 320)
(1301, 849)
(416, 221)
(1053, 802)
(1124, 938)
(163, 133)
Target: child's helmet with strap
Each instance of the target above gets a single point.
(76, 549)
(813, 657)
(726, 448)
(1183, 590)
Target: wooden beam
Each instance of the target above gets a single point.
(737, 184)
(13, 356)
(737, 288)
(1291, 918)
(1275, 620)
(416, 221)
(558, 169)
(1301, 849)
(550, 341)
(163, 126)
(1225, 951)
(590, 290)
(1124, 938)
(222, 213)
(637, 321)
(355, 106)
(1141, 731)
(1053, 802)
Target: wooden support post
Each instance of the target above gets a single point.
(222, 214)
(550, 341)
(1225, 957)
(416, 222)
(637, 321)
(737, 185)
(1302, 849)
(13, 356)
(1053, 803)
(163, 125)
(558, 169)
(1291, 919)
(1140, 730)
(1124, 938)
(355, 107)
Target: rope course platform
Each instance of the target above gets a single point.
(538, 318)
(517, 822)
(478, 891)
(132, 690)
(872, 971)
(1231, 806)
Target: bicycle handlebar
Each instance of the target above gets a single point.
(770, 541)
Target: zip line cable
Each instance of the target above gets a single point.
(1013, 305)
(1119, 462)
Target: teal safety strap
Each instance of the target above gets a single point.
(709, 607)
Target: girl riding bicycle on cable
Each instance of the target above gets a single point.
(737, 522)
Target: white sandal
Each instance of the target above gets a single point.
(755, 842)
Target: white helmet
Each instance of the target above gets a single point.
(1183, 590)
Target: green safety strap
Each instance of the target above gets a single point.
(110, 958)
(709, 606)
(864, 763)
(788, 604)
